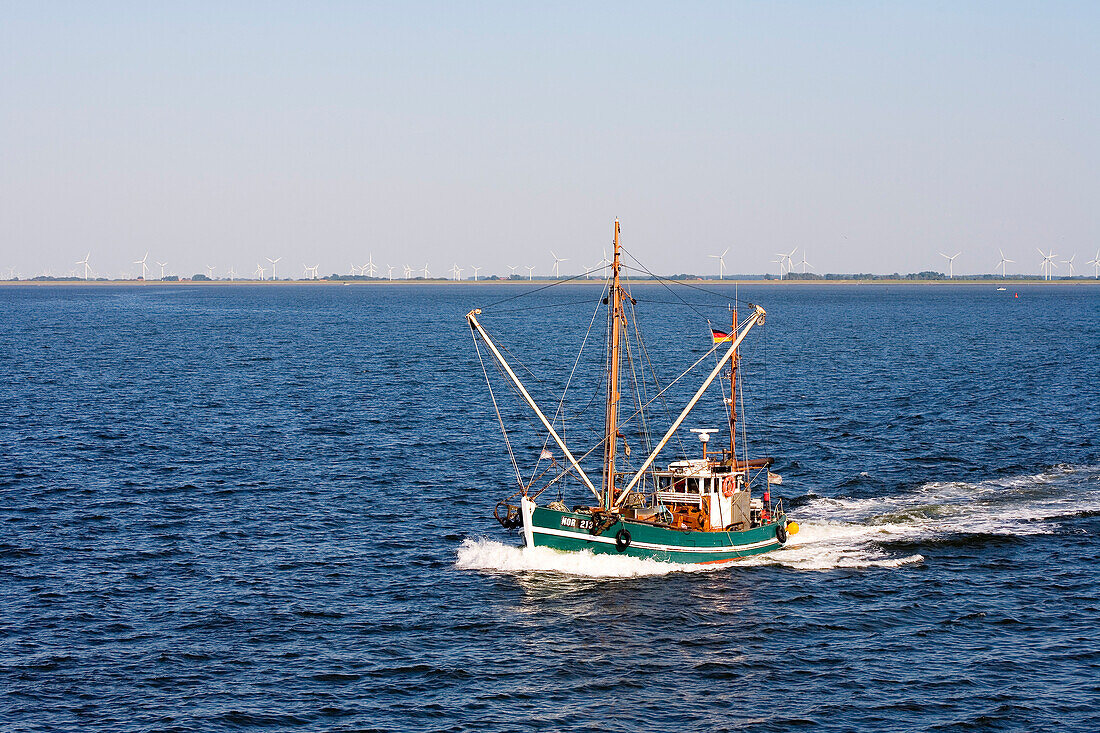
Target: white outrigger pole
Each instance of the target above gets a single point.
(756, 317)
(515, 380)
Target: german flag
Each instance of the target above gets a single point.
(720, 336)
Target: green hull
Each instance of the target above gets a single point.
(571, 532)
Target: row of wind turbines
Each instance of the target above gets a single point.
(1046, 265)
(783, 259)
(370, 269)
(259, 273)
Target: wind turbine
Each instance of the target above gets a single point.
(598, 266)
(788, 256)
(1095, 262)
(355, 269)
(781, 259)
(232, 274)
(313, 269)
(513, 268)
(260, 270)
(426, 273)
(804, 263)
(389, 272)
(1001, 264)
(456, 271)
(210, 271)
(369, 266)
(85, 263)
(273, 261)
(408, 272)
(162, 265)
(475, 268)
(950, 263)
(721, 261)
(1047, 263)
(141, 262)
(530, 272)
(557, 261)
(1070, 263)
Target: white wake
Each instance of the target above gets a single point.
(849, 532)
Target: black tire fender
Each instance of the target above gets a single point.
(622, 539)
(781, 532)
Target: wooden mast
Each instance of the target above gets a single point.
(733, 392)
(612, 424)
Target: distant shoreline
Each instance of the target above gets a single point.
(479, 283)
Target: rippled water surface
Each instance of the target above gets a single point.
(251, 508)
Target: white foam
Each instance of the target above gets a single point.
(485, 554)
(838, 533)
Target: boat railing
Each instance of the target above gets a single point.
(676, 497)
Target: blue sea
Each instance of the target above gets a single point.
(259, 508)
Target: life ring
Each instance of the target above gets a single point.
(729, 486)
(622, 539)
(781, 532)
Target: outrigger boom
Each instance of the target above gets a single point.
(756, 317)
(471, 318)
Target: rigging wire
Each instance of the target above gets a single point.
(560, 410)
(544, 287)
(640, 395)
(644, 269)
(661, 281)
(544, 306)
(503, 429)
(656, 381)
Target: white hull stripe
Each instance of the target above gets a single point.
(651, 546)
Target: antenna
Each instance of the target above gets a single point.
(704, 436)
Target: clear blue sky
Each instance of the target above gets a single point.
(871, 134)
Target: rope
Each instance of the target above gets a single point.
(544, 287)
(560, 410)
(663, 283)
(507, 442)
(675, 282)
